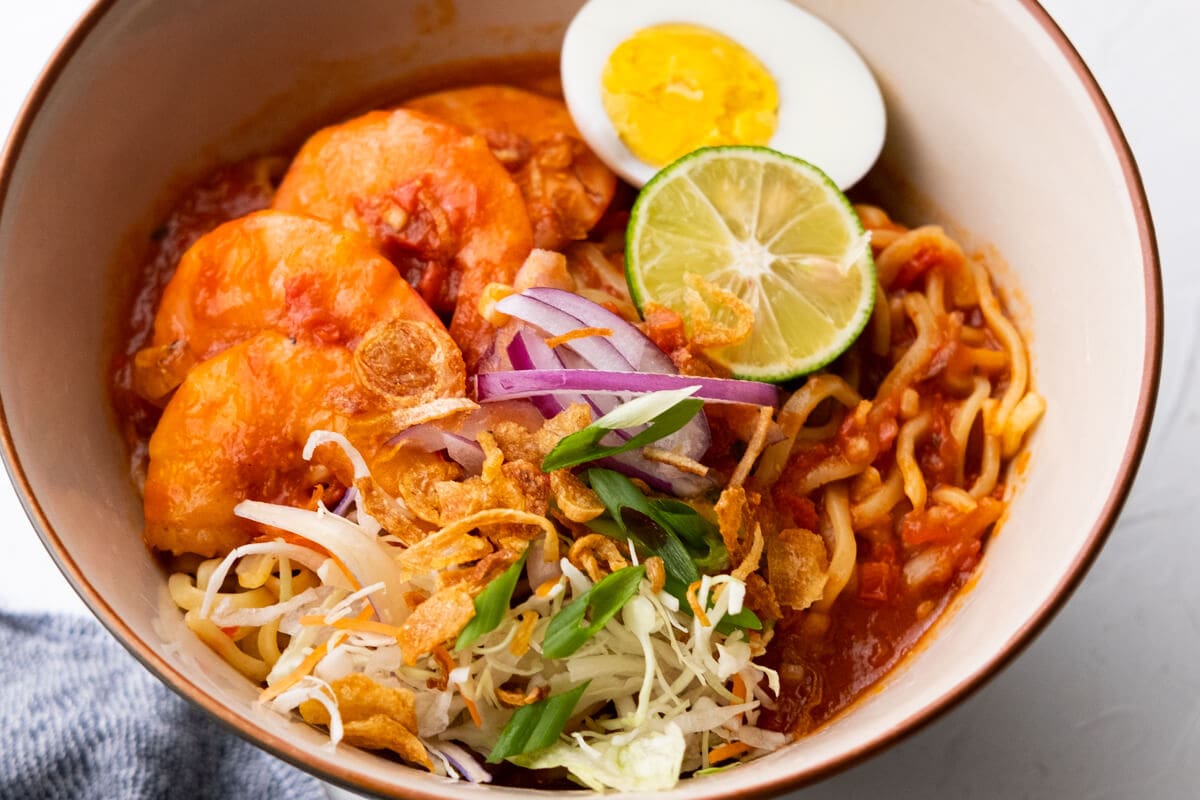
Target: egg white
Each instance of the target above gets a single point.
(831, 112)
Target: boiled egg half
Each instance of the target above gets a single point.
(648, 81)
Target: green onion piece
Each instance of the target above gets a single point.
(713, 770)
(666, 412)
(674, 521)
(695, 530)
(702, 537)
(569, 630)
(618, 493)
(536, 725)
(491, 604)
(743, 619)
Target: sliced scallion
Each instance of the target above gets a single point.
(491, 604)
(664, 412)
(536, 726)
(583, 617)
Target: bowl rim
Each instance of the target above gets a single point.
(328, 769)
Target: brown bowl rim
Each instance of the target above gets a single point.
(329, 770)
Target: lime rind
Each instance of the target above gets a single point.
(768, 355)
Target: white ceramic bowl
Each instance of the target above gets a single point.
(996, 128)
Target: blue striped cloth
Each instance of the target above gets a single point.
(83, 720)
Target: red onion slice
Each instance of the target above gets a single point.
(635, 346)
(528, 352)
(626, 352)
(343, 506)
(464, 761)
(598, 350)
(556, 382)
(431, 438)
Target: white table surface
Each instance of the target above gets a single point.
(1106, 703)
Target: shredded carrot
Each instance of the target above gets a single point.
(524, 634)
(473, 710)
(352, 624)
(739, 691)
(291, 679)
(578, 333)
(694, 602)
(547, 587)
(739, 688)
(727, 751)
(443, 657)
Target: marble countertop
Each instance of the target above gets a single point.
(1106, 702)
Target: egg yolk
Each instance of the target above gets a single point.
(670, 89)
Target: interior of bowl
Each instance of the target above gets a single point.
(993, 131)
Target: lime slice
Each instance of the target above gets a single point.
(770, 229)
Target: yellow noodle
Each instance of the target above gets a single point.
(964, 416)
(754, 447)
(839, 538)
(954, 497)
(834, 468)
(881, 324)
(867, 482)
(918, 355)
(987, 360)
(975, 337)
(253, 668)
(286, 579)
(1026, 413)
(877, 506)
(268, 642)
(241, 633)
(872, 217)
(204, 572)
(1006, 332)
(793, 415)
(914, 479)
(908, 246)
(820, 433)
(910, 403)
(304, 579)
(188, 596)
(935, 285)
(964, 420)
(253, 570)
(989, 470)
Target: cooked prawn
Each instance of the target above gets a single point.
(431, 196)
(235, 429)
(271, 271)
(566, 186)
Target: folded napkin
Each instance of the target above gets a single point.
(83, 720)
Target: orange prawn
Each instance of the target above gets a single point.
(235, 429)
(566, 186)
(271, 271)
(431, 196)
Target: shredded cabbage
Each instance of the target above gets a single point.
(650, 761)
(658, 698)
